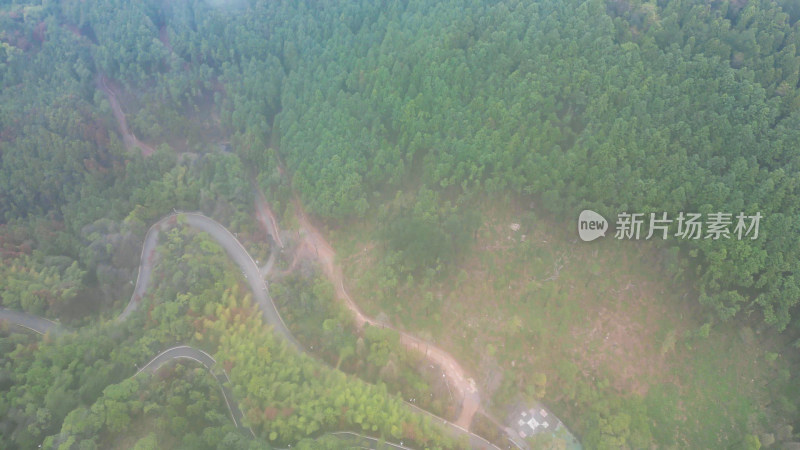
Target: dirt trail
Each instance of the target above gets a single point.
(128, 138)
(266, 218)
(325, 254)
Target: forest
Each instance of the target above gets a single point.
(406, 122)
(88, 398)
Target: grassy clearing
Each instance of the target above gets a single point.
(600, 320)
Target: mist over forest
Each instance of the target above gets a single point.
(425, 162)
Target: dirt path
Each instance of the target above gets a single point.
(266, 218)
(242, 258)
(326, 256)
(128, 138)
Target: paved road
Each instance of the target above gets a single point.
(239, 255)
(462, 383)
(235, 251)
(44, 326)
(255, 277)
(258, 286)
(219, 233)
(33, 323)
(207, 361)
(457, 431)
(146, 262)
(355, 440)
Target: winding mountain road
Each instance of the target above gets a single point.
(207, 361)
(258, 287)
(34, 323)
(236, 252)
(44, 326)
(255, 278)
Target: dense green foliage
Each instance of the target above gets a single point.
(374, 354)
(99, 244)
(180, 407)
(411, 111)
(35, 285)
(615, 106)
(51, 378)
(611, 105)
(289, 396)
(75, 384)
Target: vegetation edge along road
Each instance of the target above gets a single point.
(242, 258)
(464, 384)
(44, 326)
